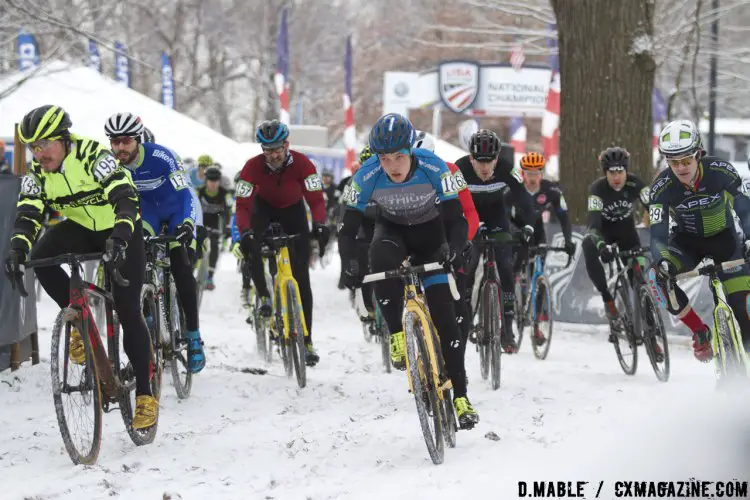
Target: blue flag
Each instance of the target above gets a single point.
(95, 59)
(167, 81)
(122, 64)
(28, 51)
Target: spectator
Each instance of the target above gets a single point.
(5, 167)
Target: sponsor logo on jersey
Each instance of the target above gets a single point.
(158, 153)
(700, 201)
(659, 186)
(429, 166)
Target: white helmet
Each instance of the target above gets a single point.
(679, 139)
(424, 141)
(121, 124)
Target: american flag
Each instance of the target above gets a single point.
(516, 55)
(282, 69)
(350, 135)
(551, 117)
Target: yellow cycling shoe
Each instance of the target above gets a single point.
(398, 350)
(77, 351)
(146, 412)
(467, 415)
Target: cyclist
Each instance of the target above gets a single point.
(364, 155)
(273, 187)
(80, 178)
(166, 199)
(419, 216)
(699, 192)
(610, 220)
(216, 203)
(487, 173)
(197, 174)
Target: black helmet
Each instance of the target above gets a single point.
(45, 122)
(615, 159)
(271, 134)
(484, 145)
(212, 174)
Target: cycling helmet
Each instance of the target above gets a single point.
(46, 122)
(147, 136)
(205, 161)
(424, 141)
(392, 133)
(679, 139)
(123, 124)
(365, 154)
(326, 172)
(615, 159)
(484, 145)
(217, 165)
(212, 174)
(532, 161)
(271, 134)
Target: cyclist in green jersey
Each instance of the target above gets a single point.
(80, 178)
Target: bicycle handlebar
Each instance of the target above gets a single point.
(72, 259)
(166, 239)
(408, 269)
(710, 268)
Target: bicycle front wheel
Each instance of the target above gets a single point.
(77, 396)
(624, 338)
(728, 359)
(296, 338)
(541, 335)
(384, 337)
(182, 379)
(654, 334)
(425, 394)
(492, 330)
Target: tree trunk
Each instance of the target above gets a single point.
(606, 80)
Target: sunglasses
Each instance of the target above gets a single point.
(673, 162)
(125, 140)
(41, 145)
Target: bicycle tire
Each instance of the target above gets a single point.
(728, 360)
(493, 313)
(427, 410)
(284, 338)
(85, 454)
(521, 301)
(182, 379)
(384, 337)
(625, 312)
(260, 325)
(297, 335)
(654, 334)
(154, 331)
(543, 290)
(127, 377)
(447, 410)
(483, 348)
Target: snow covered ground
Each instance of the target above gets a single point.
(353, 432)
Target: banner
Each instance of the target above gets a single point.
(28, 51)
(122, 64)
(95, 58)
(167, 81)
(575, 300)
(333, 163)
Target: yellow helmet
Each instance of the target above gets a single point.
(46, 122)
(365, 154)
(205, 161)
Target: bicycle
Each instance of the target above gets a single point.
(646, 326)
(163, 312)
(488, 311)
(534, 303)
(264, 334)
(428, 382)
(289, 319)
(375, 328)
(726, 339)
(103, 379)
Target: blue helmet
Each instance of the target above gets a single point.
(272, 134)
(391, 133)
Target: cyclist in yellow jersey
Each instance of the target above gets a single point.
(81, 179)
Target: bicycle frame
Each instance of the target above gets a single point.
(282, 276)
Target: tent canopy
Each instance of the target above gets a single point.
(90, 98)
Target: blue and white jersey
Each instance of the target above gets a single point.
(163, 186)
(414, 201)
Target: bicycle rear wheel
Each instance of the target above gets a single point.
(492, 330)
(425, 394)
(541, 333)
(654, 334)
(77, 396)
(296, 344)
(625, 341)
(182, 379)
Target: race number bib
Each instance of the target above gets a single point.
(350, 195)
(313, 183)
(178, 180)
(595, 204)
(29, 186)
(460, 181)
(106, 167)
(243, 189)
(655, 214)
(449, 184)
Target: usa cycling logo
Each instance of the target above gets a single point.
(458, 82)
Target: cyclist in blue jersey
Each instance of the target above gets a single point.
(419, 216)
(166, 199)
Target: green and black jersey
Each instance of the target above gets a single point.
(702, 210)
(90, 189)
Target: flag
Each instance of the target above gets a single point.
(518, 138)
(28, 51)
(517, 58)
(551, 116)
(282, 69)
(167, 81)
(658, 117)
(350, 133)
(122, 64)
(95, 58)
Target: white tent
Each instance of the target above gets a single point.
(91, 98)
(447, 151)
